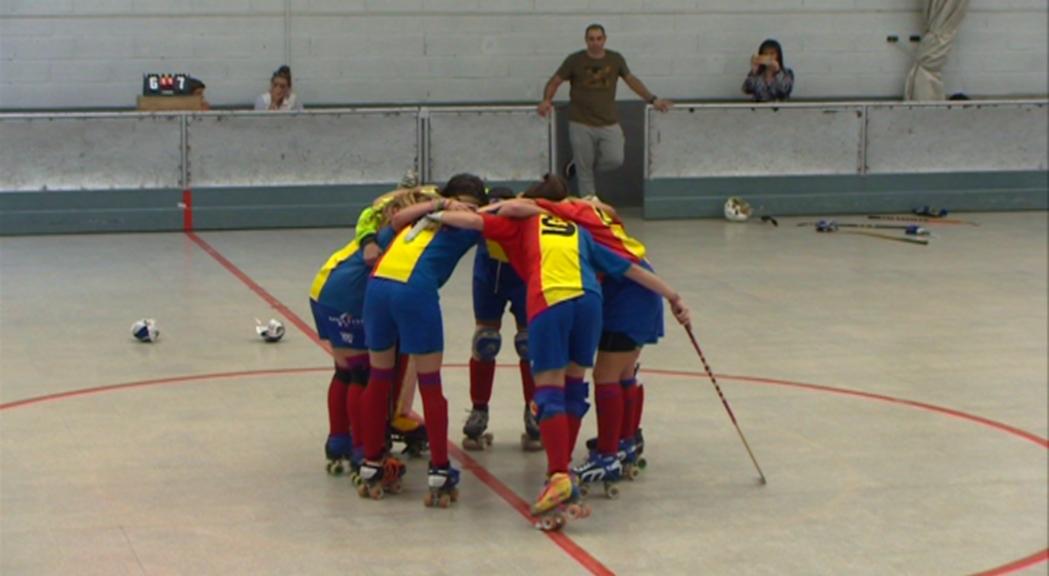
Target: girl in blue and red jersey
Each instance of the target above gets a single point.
(337, 302)
(496, 284)
(632, 317)
(402, 307)
(559, 260)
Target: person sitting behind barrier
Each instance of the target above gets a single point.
(196, 88)
(769, 79)
(280, 97)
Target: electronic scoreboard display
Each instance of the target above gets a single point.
(166, 85)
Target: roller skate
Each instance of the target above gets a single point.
(631, 450)
(530, 439)
(443, 483)
(411, 433)
(378, 478)
(474, 435)
(356, 459)
(337, 450)
(559, 502)
(600, 468)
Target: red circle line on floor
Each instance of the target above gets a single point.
(570, 547)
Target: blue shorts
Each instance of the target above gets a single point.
(632, 309)
(340, 329)
(397, 312)
(566, 332)
(492, 294)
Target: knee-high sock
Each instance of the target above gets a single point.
(376, 410)
(338, 421)
(629, 386)
(527, 382)
(355, 399)
(576, 407)
(482, 375)
(553, 427)
(435, 408)
(609, 399)
(639, 405)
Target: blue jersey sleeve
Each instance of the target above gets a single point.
(603, 259)
(385, 236)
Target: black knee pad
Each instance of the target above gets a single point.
(344, 375)
(359, 376)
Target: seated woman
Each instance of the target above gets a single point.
(769, 79)
(280, 97)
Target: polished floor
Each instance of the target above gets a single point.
(895, 396)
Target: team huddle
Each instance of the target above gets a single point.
(577, 286)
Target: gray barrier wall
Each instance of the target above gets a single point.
(90, 152)
(339, 147)
(808, 158)
(506, 144)
(88, 172)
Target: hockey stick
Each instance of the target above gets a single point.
(728, 409)
(922, 219)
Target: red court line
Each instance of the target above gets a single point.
(259, 290)
(187, 210)
(519, 504)
(1032, 560)
(155, 382)
(1034, 438)
(487, 478)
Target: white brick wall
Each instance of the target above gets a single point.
(92, 53)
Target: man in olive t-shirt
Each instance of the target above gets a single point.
(593, 125)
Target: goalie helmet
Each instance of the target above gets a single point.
(145, 330)
(271, 331)
(737, 209)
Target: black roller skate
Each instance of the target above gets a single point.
(606, 469)
(337, 450)
(559, 502)
(411, 433)
(530, 439)
(443, 483)
(474, 435)
(378, 478)
(356, 459)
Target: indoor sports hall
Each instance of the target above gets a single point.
(865, 393)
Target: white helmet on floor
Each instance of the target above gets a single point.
(737, 209)
(145, 330)
(271, 331)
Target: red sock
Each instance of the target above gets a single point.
(338, 422)
(355, 402)
(609, 399)
(626, 428)
(482, 375)
(638, 406)
(527, 382)
(435, 408)
(376, 408)
(554, 431)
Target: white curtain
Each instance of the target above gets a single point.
(942, 18)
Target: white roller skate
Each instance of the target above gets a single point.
(606, 469)
(559, 503)
(378, 478)
(531, 441)
(474, 435)
(443, 483)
